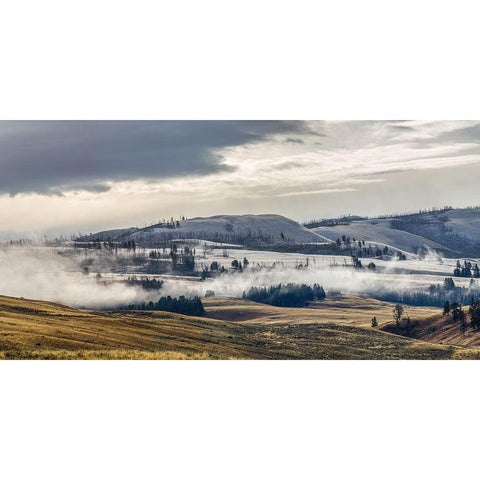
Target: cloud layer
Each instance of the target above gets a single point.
(53, 157)
(72, 176)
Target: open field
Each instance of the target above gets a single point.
(41, 330)
(355, 310)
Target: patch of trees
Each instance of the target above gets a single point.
(434, 296)
(357, 263)
(182, 260)
(145, 283)
(459, 316)
(290, 295)
(156, 268)
(186, 306)
(401, 320)
(130, 245)
(332, 222)
(172, 223)
(358, 248)
(238, 265)
(474, 312)
(468, 270)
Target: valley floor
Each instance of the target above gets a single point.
(233, 329)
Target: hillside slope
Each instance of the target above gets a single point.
(452, 231)
(41, 330)
(379, 233)
(438, 329)
(244, 229)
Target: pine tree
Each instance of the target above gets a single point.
(476, 271)
(397, 313)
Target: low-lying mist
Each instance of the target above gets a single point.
(331, 278)
(41, 273)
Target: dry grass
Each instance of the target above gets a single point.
(41, 330)
(355, 310)
(113, 354)
(439, 329)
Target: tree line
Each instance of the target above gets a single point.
(145, 283)
(290, 295)
(186, 306)
(434, 296)
(468, 269)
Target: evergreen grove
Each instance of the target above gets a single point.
(290, 295)
(187, 306)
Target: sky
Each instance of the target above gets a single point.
(83, 176)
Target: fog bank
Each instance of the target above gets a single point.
(42, 274)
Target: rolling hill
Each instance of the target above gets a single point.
(32, 329)
(379, 233)
(455, 232)
(452, 232)
(243, 229)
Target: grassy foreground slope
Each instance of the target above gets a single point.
(41, 330)
(439, 329)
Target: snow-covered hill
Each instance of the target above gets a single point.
(244, 229)
(450, 230)
(378, 234)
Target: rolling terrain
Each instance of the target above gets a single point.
(355, 310)
(244, 229)
(380, 233)
(32, 329)
(454, 232)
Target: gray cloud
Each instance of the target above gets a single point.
(293, 140)
(462, 135)
(51, 157)
(402, 128)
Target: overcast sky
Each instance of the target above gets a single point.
(85, 176)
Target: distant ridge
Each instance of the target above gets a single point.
(454, 231)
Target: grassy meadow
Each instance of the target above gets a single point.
(32, 329)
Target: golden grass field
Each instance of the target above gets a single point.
(344, 310)
(234, 329)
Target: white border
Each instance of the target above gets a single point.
(248, 60)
